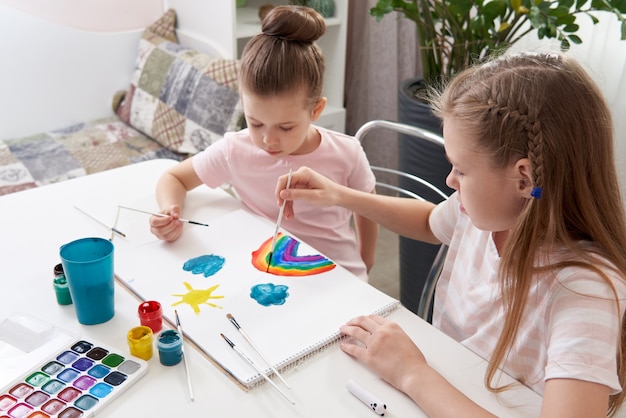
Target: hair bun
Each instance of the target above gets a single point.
(294, 23)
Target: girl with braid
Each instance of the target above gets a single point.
(535, 277)
(281, 83)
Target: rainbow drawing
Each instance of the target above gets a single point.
(286, 261)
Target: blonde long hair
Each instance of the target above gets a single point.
(546, 108)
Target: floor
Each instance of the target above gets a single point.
(385, 274)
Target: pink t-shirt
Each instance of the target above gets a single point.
(571, 325)
(253, 174)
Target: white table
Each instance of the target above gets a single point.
(35, 223)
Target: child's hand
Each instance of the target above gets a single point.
(308, 185)
(167, 228)
(384, 347)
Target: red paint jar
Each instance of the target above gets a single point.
(151, 315)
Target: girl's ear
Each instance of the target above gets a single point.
(319, 107)
(524, 172)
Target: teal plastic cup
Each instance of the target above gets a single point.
(88, 267)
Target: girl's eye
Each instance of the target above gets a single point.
(255, 125)
(286, 129)
(457, 172)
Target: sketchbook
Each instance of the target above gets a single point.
(289, 313)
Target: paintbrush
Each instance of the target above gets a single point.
(257, 368)
(114, 227)
(245, 335)
(180, 331)
(162, 215)
(278, 221)
(111, 228)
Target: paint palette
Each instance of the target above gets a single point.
(76, 381)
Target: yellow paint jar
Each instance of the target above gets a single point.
(140, 342)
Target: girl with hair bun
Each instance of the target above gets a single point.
(281, 83)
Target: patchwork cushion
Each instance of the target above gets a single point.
(164, 27)
(182, 98)
(72, 152)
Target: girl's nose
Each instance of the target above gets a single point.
(269, 139)
(451, 180)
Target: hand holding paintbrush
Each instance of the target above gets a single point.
(278, 221)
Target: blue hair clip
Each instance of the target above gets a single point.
(536, 192)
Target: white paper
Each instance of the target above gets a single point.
(310, 318)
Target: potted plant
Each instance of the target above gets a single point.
(454, 33)
(451, 35)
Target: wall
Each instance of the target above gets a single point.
(93, 15)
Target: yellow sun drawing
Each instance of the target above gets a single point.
(195, 297)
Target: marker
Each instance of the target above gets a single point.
(250, 362)
(162, 215)
(245, 335)
(278, 221)
(367, 398)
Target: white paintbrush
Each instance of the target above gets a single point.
(278, 221)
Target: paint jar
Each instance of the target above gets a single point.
(61, 288)
(140, 342)
(151, 315)
(170, 346)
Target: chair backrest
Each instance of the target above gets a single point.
(420, 134)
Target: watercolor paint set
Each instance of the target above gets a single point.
(65, 377)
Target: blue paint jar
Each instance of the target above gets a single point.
(170, 346)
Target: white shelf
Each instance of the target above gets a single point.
(249, 24)
(232, 27)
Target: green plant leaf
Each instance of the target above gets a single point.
(566, 20)
(494, 9)
(619, 5)
(580, 4)
(571, 28)
(575, 39)
(382, 8)
(461, 7)
(559, 11)
(453, 33)
(600, 5)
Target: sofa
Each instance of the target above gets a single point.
(175, 102)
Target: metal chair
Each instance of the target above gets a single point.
(426, 297)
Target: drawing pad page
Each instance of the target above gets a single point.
(306, 317)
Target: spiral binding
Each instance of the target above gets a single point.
(308, 352)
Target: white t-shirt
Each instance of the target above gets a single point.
(253, 173)
(570, 328)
